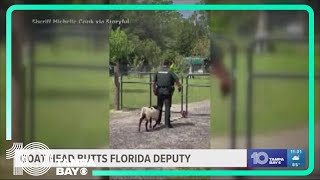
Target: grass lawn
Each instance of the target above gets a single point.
(278, 103)
(137, 95)
(72, 105)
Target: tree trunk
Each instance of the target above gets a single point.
(117, 86)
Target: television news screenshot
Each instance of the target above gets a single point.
(159, 89)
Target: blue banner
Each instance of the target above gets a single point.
(296, 158)
(293, 158)
(267, 158)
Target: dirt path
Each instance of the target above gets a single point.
(194, 132)
(188, 133)
(294, 138)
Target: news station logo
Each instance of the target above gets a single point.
(34, 158)
(267, 158)
(71, 171)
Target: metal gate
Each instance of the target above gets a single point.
(33, 67)
(252, 75)
(150, 77)
(233, 52)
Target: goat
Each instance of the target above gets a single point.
(149, 114)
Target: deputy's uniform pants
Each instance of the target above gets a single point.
(165, 100)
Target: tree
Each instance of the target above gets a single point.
(186, 39)
(179, 65)
(146, 53)
(201, 48)
(120, 48)
(159, 35)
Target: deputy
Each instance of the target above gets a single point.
(163, 88)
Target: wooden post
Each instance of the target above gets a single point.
(117, 87)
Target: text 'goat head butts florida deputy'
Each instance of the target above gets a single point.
(163, 88)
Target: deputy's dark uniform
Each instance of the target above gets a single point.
(164, 80)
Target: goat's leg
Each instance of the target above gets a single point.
(150, 123)
(147, 125)
(140, 122)
(155, 124)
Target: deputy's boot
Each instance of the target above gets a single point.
(168, 123)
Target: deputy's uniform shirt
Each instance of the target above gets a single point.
(165, 80)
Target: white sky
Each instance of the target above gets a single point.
(186, 14)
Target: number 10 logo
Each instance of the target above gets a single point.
(256, 156)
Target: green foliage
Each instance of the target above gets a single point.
(120, 46)
(185, 40)
(146, 50)
(170, 55)
(201, 48)
(159, 35)
(179, 65)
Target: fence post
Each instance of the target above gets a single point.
(22, 107)
(233, 98)
(187, 91)
(249, 97)
(150, 89)
(181, 93)
(121, 91)
(32, 92)
(117, 73)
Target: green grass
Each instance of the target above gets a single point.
(72, 106)
(72, 51)
(279, 104)
(137, 95)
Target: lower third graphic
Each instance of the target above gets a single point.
(296, 158)
(35, 153)
(267, 158)
(10, 153)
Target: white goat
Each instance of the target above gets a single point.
(149, 114)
